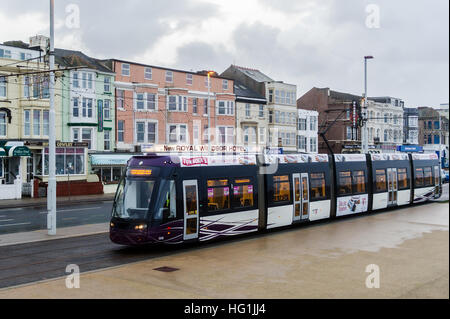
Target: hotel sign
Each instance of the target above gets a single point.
(150, 148)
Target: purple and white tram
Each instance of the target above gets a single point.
(171, 200)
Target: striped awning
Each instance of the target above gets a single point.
(109, 159)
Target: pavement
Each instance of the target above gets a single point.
(60, 201)
(408, 246)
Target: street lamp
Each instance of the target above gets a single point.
(209, 111)
(365, 131)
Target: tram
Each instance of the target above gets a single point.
(177, 199)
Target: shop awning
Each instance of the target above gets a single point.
(16, 151)
(2, 152)
(110, 159)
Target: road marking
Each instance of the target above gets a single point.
(15, 224)
(6, 220)
(78, 209)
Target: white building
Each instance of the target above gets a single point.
(385, 123)
(307, 133)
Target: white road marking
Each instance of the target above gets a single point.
(71, 210)
(6, 220)
(15, 224)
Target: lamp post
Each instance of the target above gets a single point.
(364, 130)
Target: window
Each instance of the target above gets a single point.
(249, 135)
(247, 109)
(281, 189)
(226, 135)
(437, 139)
(205, 108)
(169, 76)
(151, 102)
(125, 69)
(107, 140)
(86, 137)
(107, 84)
(90, 80)
(345, 183)
(120, 130)
(225, 107)
(140, 132)
(218, 195)
(2, 124)
(151, 132)
(301, 124)
(75, 135)
(194, 105)
(84, 80)
(189, 79)
(436, 125)
(402, 178)
(225, 85)
(359, 182)
(69, 161)
(120, 99)
(177, 133)
(75, 81)
(87, 108)
(177, 103)
(75, 107)
(148, 73)
(261, 110)
(271, 96)
(27, 122)
(36, 122)
(242, 193)
(380, 180)
(26, 87)
(107, 109)
(419, 178)
(46, 123)
(313, 123)
(317, 183)
(301, 140)
(428, 176)
(140, 101)
(262, 135)
(313, 144)
(2, 86)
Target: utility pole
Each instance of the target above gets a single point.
(51, 191)
(209, 113)
(364, 128)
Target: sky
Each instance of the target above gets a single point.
(308, 43)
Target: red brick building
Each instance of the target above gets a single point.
(334, 107)
(162, 106)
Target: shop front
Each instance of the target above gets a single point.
(109, 169)
(13, 163)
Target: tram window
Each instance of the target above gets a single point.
(170, 202)
(380, 183)
(419, 177)
(345, 183)
(436, 175)
(281, 189)
(242, 193)
(402, 179)
(428, 176)
(191, 200)
(317, 182)
(359, 182)
(218, 195)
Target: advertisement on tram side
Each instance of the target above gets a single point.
(352, 204)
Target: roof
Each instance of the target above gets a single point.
(242, 91)
(344, 96)
(71, 58)
(254, 74)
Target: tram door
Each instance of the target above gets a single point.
(297, 198)
(392, 186)
(437, 173)
(191, 211)
(305, 196)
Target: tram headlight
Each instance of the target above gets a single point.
(140, 227)
(111, 224)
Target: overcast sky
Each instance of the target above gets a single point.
(304, 42)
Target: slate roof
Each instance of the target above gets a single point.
(69, 58)
(254, 74)
(242, 91)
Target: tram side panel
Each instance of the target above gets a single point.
(391, 182)
(351, 193)
(426, 177)
(229, 202)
